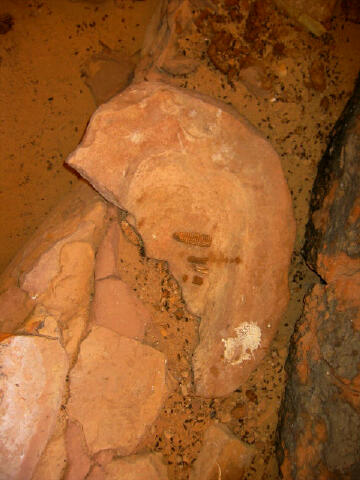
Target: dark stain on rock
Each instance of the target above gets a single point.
(6, 23)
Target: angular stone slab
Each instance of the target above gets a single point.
(208, 195)
(77, 454)
(116, 306)
(222, 456)
(33, 371)
(122, 383)
(135, 467)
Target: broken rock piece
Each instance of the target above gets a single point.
(201, 183)
(222, 456)
(149, 467)
(122, 383)
(33, 371)
(116, 306)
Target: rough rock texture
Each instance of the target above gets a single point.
(321, 412)
(222, 456)
(116, 306)
(208, 195)
(33, 371)
(162, 57)
(109, 380)
(314, 15)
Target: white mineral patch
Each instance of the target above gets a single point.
(241, 347)
(137, 137)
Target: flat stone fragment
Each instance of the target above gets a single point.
(33, 371)
(53, 462)
(222, 456)
(77, 454)
(55, 270)
(208, 195)
(116, 306)
(67, 297)
(122, 383)
(136, 467)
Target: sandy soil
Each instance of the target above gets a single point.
(45, 103)
(304, 83)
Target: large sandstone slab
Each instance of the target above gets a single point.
(33, 371)
(122, 383)
(209, 196)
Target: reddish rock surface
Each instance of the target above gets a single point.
(123, 384)
(117, 307)
(55, 268)
(106, 257)
(52, 463)
(190, 169)
(321, 412)
(78, 458)
(136, 467)
(33, 371)
(222, 456)
(15, 306)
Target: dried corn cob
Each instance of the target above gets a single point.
(193, 238)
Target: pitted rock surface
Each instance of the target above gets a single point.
(208, 195)
(320, 430)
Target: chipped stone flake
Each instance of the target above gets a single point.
(241, 348)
